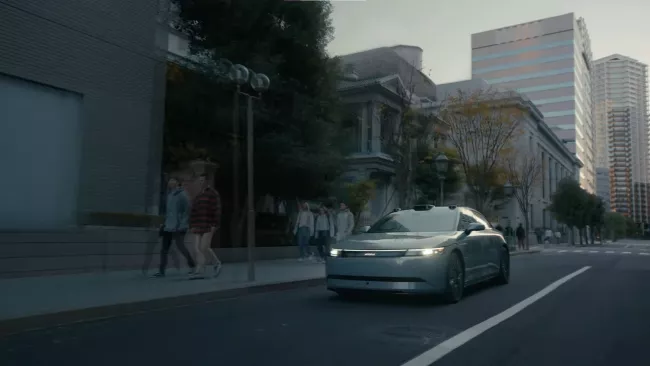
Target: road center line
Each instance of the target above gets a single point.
(442, 349)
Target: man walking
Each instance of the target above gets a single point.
(521, 237)
(205, 221)
(175, 226)
(344, 222)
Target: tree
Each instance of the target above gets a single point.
(569, 204)
(595, 216)
(523, 173)
(298, 117)
(481, 126)
(615, 225)
(426, 177)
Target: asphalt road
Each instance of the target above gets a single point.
(599, 317)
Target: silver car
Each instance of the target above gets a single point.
(424, 250)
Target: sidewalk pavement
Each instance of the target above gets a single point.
(40, 302)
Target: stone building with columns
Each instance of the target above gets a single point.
(558, 162)
(373, 88)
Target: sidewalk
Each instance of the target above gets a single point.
(37, 297)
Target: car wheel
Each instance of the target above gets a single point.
(455, 279)
(504, 268)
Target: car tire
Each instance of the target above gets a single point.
(503, 277)
(455, 279)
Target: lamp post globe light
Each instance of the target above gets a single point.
(442, 166)
(508, 189)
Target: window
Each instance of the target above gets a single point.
(416, 221)
(464, 221)
(481, 219)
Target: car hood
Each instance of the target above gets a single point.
(398, 240)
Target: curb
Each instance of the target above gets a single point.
(40, 322)
(533, 251)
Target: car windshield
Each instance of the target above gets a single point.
(415, 221)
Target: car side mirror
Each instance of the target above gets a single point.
(365, 229)
(474, 227)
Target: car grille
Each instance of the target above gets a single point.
(372, 253)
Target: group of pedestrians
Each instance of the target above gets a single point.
(324, 227)
(201, 218)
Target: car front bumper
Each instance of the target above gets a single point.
(417, 275)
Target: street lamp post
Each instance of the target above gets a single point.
(442, 165)
(259, 83)
(239, 75)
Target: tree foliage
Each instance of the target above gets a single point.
(296, 119)
(358, 196)
(426, 176)
(481, 126)
(615, 225)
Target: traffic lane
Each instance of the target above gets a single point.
(299, 327)
(599, 318)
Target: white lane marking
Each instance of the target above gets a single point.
(439, 351)
(562, 251)
(626, 253)
(578, 251)
(644, 253)
(593, 251)
(610, 252)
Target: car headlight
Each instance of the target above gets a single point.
(335, 252)
(425, 252)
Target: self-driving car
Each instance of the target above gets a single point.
(425, 250)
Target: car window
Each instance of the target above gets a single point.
(465, 220)
(415, 221)
(481, 219)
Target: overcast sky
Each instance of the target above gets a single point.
(443, 28)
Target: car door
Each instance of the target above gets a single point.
(471, 247)
(489, 262)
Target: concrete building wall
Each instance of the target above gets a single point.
(548, 60)
(105, 53)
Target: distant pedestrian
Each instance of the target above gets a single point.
(304, 230)
(176, 225)
(521, 237)
(344, 222)
(324, 231)
(205, 221)
(538, 235)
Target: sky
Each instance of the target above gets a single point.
(443, 28)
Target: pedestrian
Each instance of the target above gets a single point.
(304, 230)
(176, 225)
(538, 235)
(324, 231)
(521, 236)
(548, 236)
(344, 222)
(205, 221)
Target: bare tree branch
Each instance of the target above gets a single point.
(481, 126)
(524, 172)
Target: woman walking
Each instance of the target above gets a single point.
(205, 221)
(324, 231)
(304, 230)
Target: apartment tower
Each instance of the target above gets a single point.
(620, 86)
(550, 61)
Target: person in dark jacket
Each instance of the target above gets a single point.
(521, 236)
(205, 221)
(176, 224)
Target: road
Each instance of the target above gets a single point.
(599, 317)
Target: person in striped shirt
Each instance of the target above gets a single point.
(205, 221)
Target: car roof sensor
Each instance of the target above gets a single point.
(423, 207)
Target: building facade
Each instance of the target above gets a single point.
(620, 86)
(82, 100)
(549, 60)
(537, 139)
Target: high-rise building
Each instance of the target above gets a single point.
(550, 61)
(620, 86)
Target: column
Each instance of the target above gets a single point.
(363, 130)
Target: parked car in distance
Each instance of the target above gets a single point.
(424, 250)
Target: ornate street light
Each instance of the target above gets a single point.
(442, 165)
